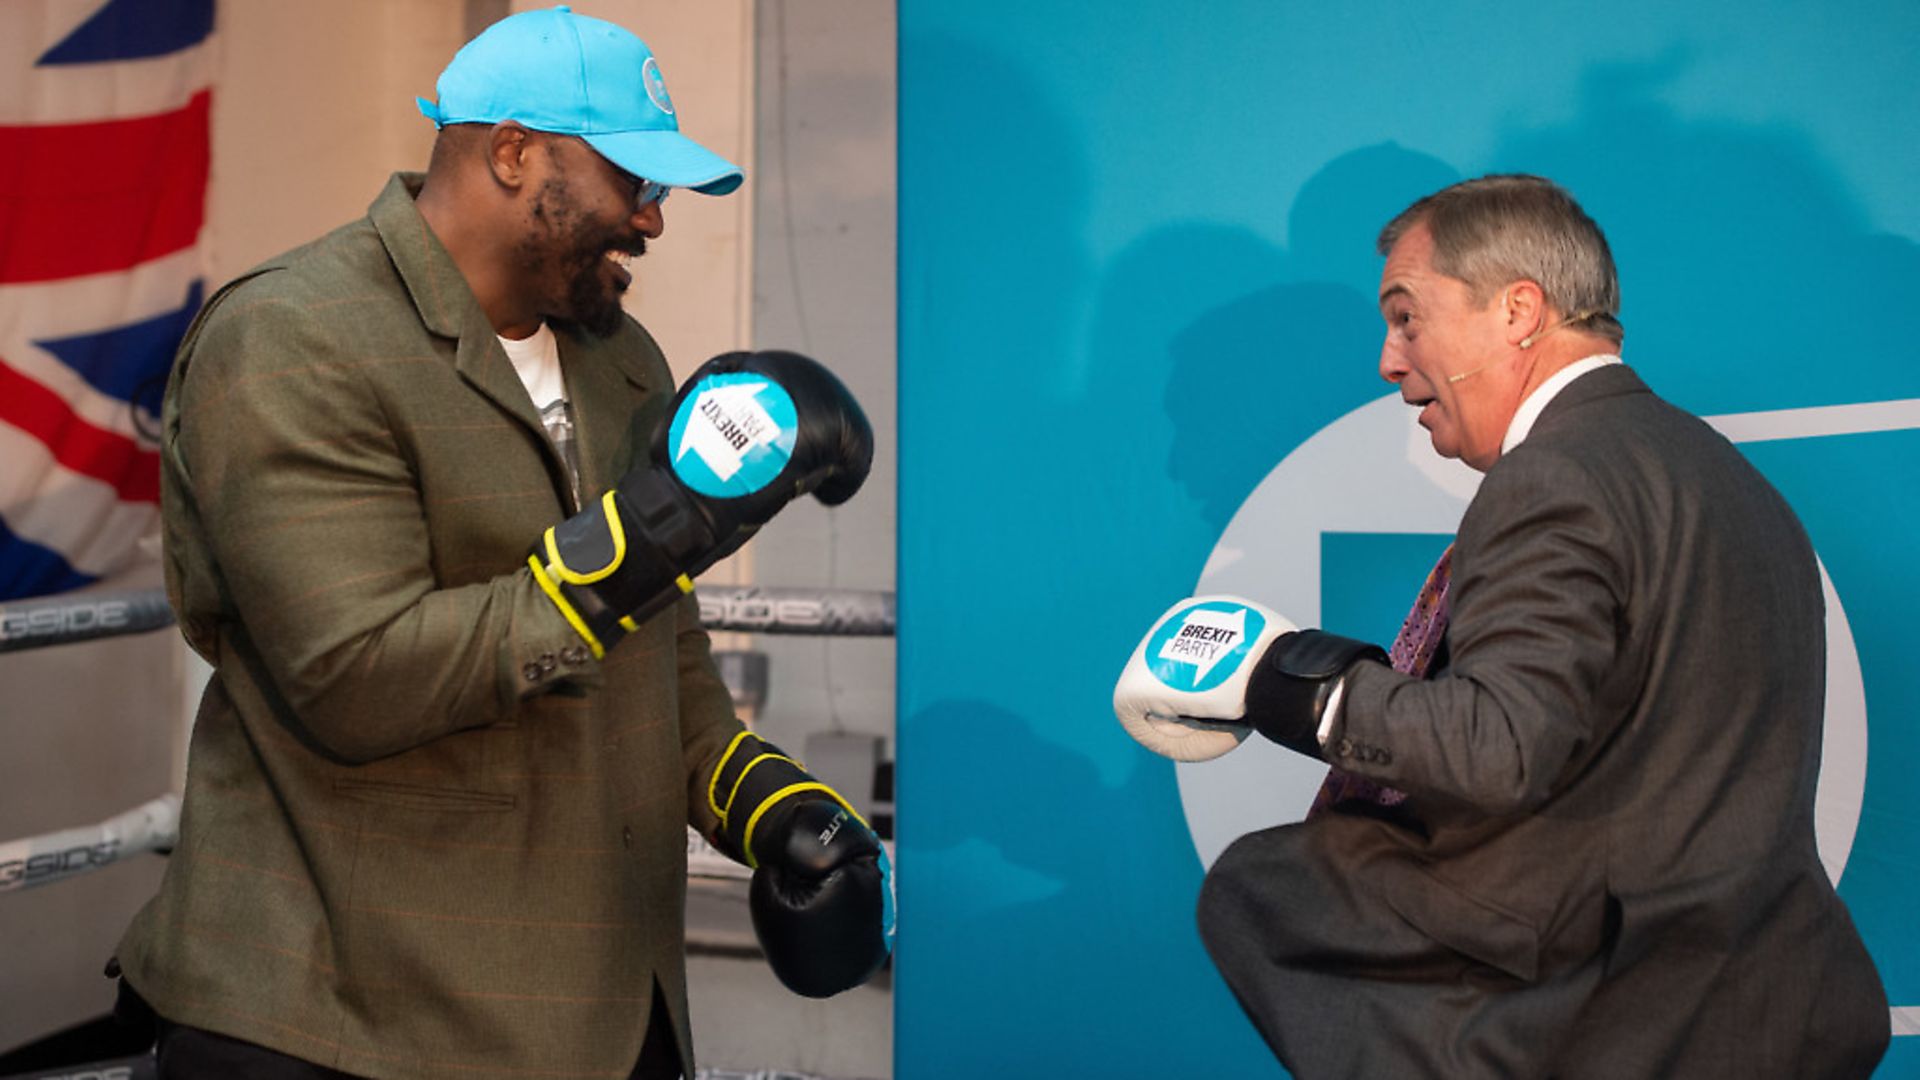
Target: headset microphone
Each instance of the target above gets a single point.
(1527, 342)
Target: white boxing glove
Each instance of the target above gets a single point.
(1184, 693)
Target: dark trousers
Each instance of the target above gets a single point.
(191, 1053)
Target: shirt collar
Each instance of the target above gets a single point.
(1530, 409)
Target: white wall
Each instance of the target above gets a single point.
(824, 285)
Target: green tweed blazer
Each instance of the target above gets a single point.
(426, 833)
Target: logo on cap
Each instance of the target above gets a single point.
(656, 86)
(733, 435)
(1191, 650)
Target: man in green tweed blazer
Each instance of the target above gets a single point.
(429, 830)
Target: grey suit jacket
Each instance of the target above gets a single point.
(426, 833)
(1609, 867)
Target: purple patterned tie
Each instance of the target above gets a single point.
(1411, 654)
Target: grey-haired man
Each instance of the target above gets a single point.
(1568, 830)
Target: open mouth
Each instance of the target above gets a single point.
(1424, 404)
(622, 263)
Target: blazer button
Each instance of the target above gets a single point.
(547, 662)
(1343, 748)
(626, 836)
(532, 672)
(574, 654)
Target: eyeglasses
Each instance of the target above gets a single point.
(644, 191)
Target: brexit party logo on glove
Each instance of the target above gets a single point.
(1183, 694)
(733, 434)
(1191, 651)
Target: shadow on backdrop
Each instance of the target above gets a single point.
(1024, 810)
(1251, 379)
(1043, 870)
(1750, 278)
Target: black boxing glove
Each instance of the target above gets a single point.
(822, 900)
(732, 442)
(822, 891)
(750, 432)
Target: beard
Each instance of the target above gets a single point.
(593, 296)
(568, 252)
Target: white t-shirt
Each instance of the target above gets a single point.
(536, 359)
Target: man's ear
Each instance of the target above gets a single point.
(507, 147)
(1525, 312)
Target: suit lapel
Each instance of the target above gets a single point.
(600, 388)
(484, 365)
(447, 308)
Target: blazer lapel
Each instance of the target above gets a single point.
(484, 365)
(447, 308)
(600, 388)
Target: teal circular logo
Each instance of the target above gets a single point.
(733, 434)
(656, 85)
(1201, 646)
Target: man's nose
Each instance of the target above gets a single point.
(1393, 366)
(651, 220)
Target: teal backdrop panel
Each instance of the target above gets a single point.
(1138, 345)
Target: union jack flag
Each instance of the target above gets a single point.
(104, 107)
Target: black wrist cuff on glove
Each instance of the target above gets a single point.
(1289, 689)
(753, 789)
(668, 517)
(621, 560)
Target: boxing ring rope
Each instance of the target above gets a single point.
(154, 824)
(56, 856)
(751, 609)
(33, 624)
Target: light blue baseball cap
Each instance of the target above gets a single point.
(571, 74)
